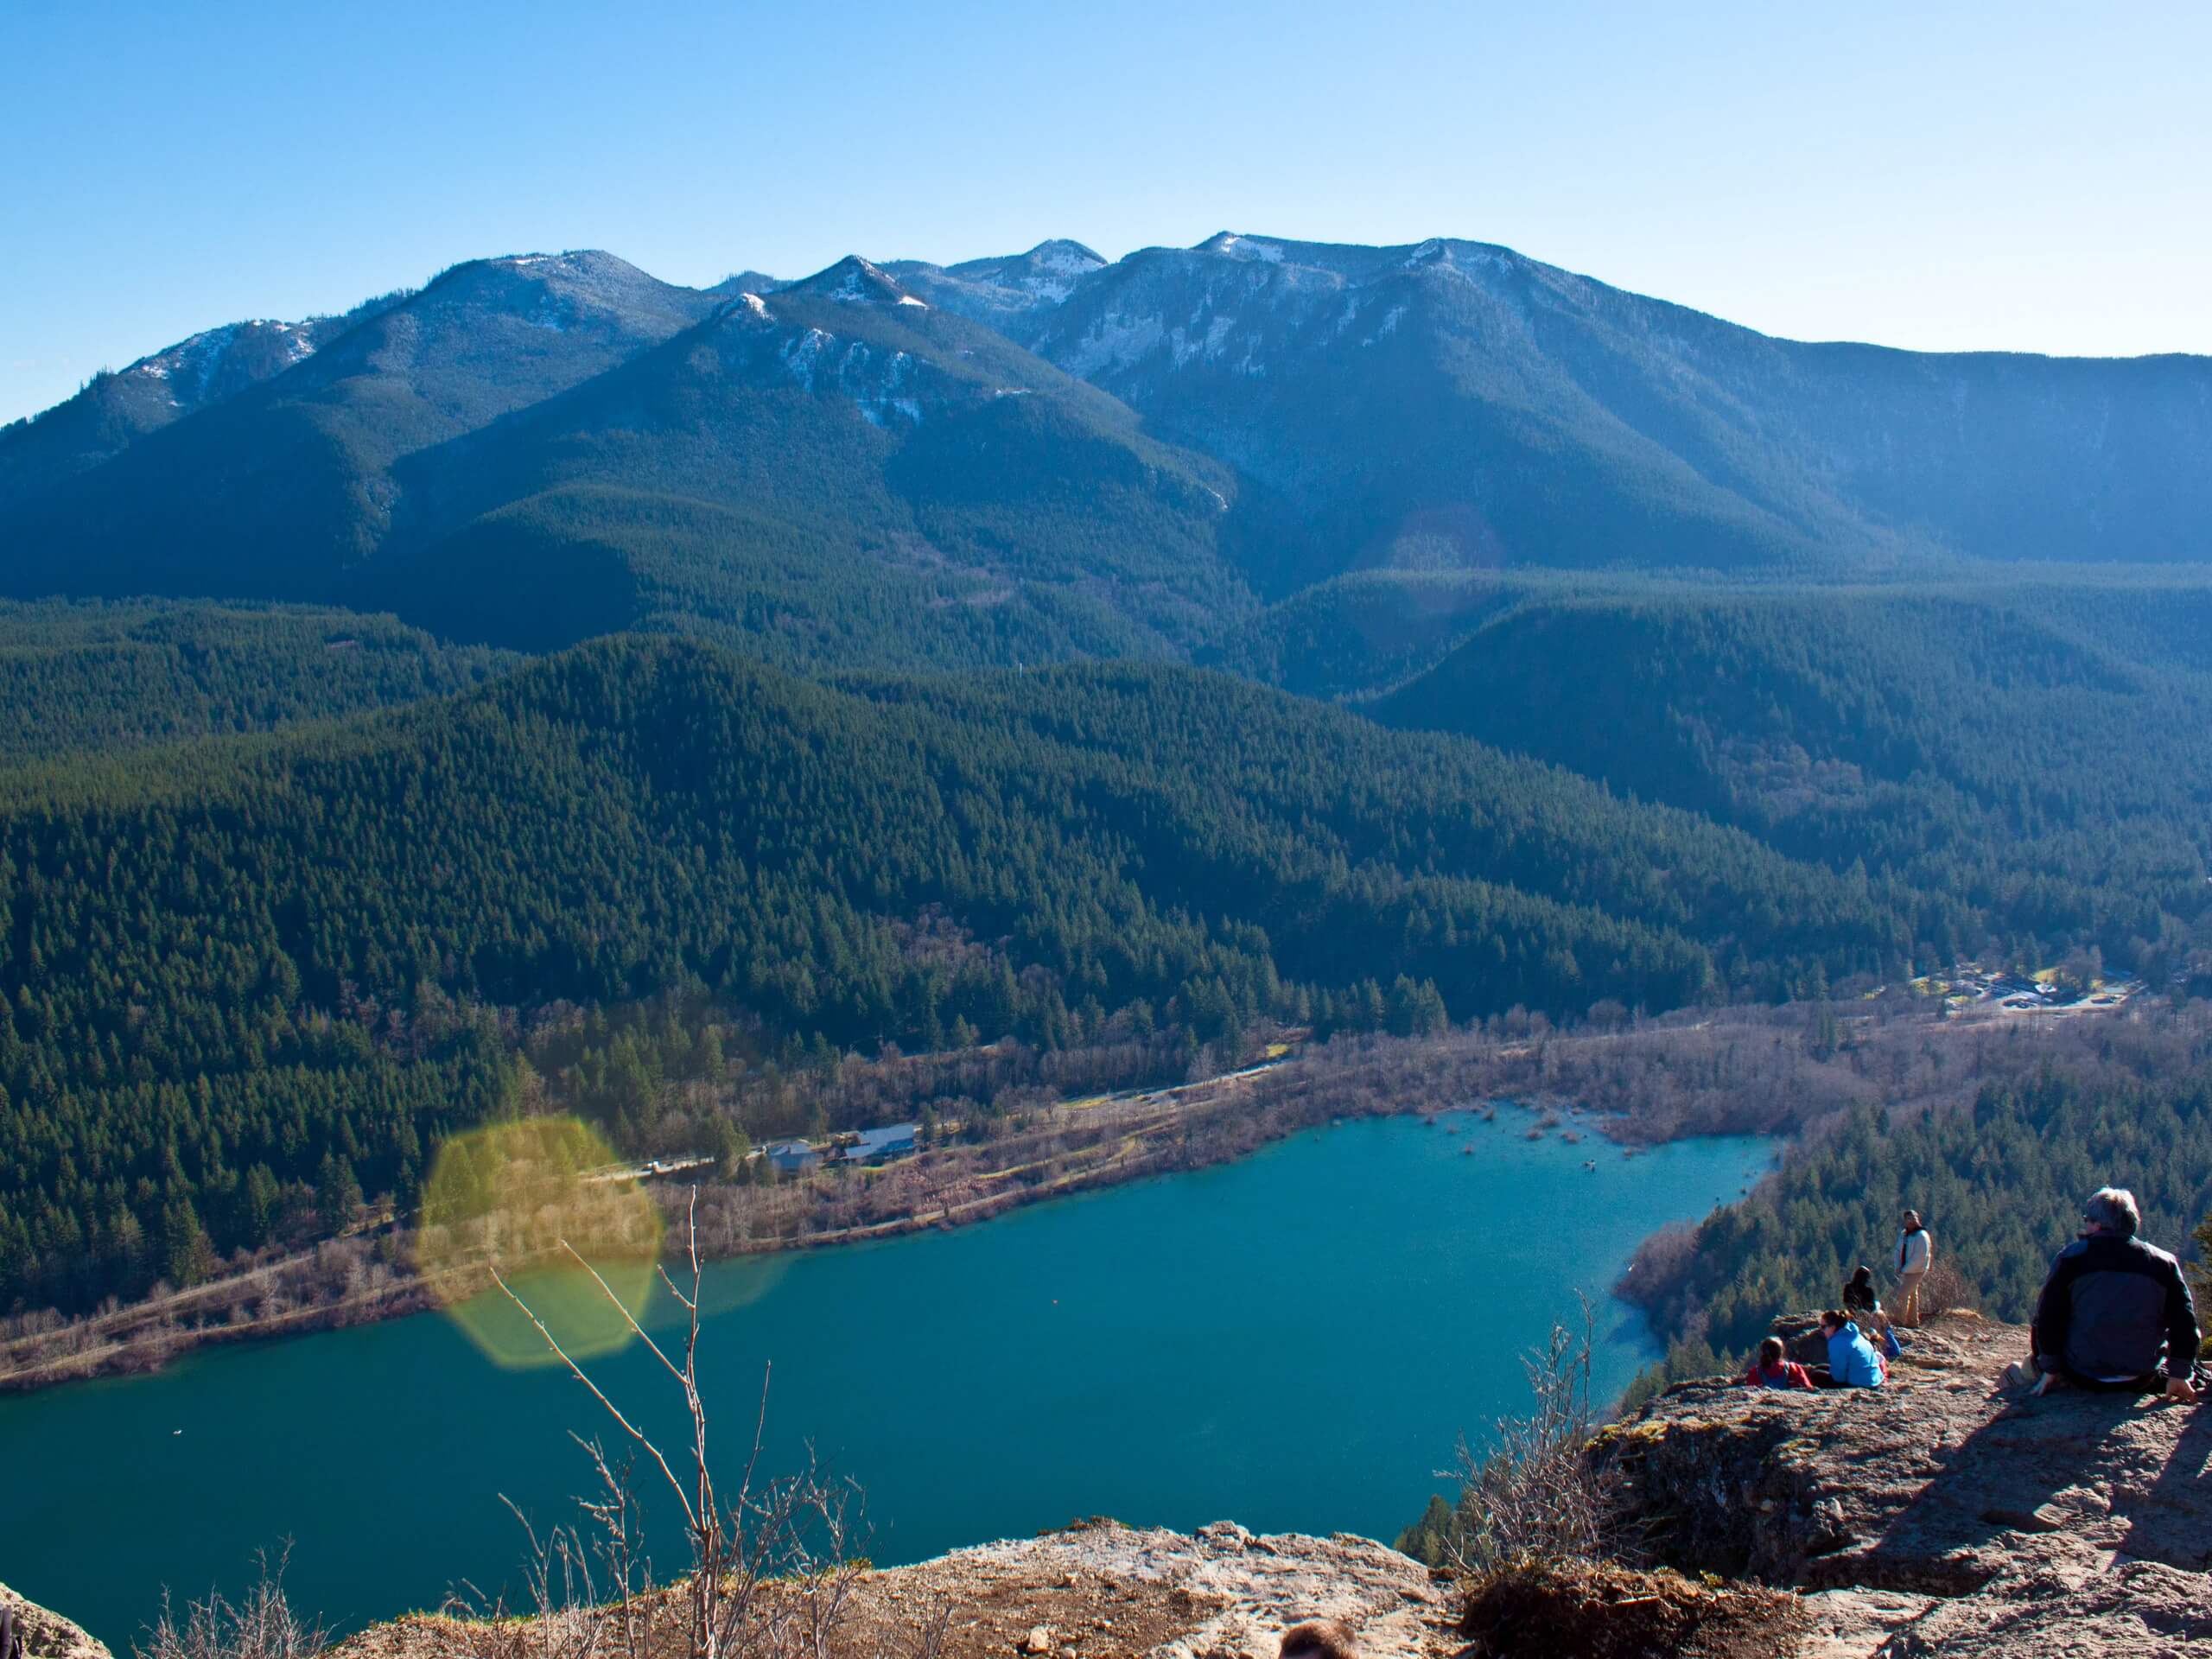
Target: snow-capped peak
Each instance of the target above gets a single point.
(1062, 257)
(852, 281)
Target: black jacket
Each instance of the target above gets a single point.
(2116, 1307)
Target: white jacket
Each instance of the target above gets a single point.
(1916, 1251)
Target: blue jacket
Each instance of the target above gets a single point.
(1852, 1360)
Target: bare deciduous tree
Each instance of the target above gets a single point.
(774, 1567)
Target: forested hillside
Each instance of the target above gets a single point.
(91, 676)
(1353, 638)
(237, 973)
(2036, 749)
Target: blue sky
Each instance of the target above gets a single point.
(1929, 175)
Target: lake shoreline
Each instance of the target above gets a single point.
(1585, 1083)
(1157, 1132)
(1095, 1357)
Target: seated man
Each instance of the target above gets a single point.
(1771, 1370)
(2115, 1312)
(1852, 1363)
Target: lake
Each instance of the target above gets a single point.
(1293, 1341)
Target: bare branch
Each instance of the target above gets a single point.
(598, 1393)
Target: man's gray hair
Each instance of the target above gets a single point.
(2114, 1209)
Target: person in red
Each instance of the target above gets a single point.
(1771, 1370)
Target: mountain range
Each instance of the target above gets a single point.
(1050, 454)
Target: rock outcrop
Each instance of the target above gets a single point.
(50, 1636)
(1099, 1589)
(1939, 1514)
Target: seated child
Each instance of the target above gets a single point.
(1771, 1370)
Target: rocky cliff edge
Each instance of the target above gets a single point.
(1941, 1515)
(50, 1636)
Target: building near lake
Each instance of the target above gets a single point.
(792, 1157)
(880, 1146)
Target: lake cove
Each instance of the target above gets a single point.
(1293, 1341)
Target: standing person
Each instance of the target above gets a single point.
(2115, 1313)
(1916, 1255)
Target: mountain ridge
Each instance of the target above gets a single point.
(1441, 405)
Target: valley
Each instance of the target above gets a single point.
(1140, 726)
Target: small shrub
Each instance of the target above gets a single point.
(1946, 1290)
(1533, 1496)
(261, 1625)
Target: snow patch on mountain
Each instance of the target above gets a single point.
(1209, 346)
(186, 372)
(880, 393)
(1243, 247)
(1114, 341)
(1050, 270)
(1389, 326)
(1044, 289)
(879, 384)
(803, 354)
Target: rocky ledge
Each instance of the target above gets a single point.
(1939, 1514)
(50, 1636)
(1099, 1589)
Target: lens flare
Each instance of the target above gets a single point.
(517, 1196)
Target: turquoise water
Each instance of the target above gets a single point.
(1293, 1341)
